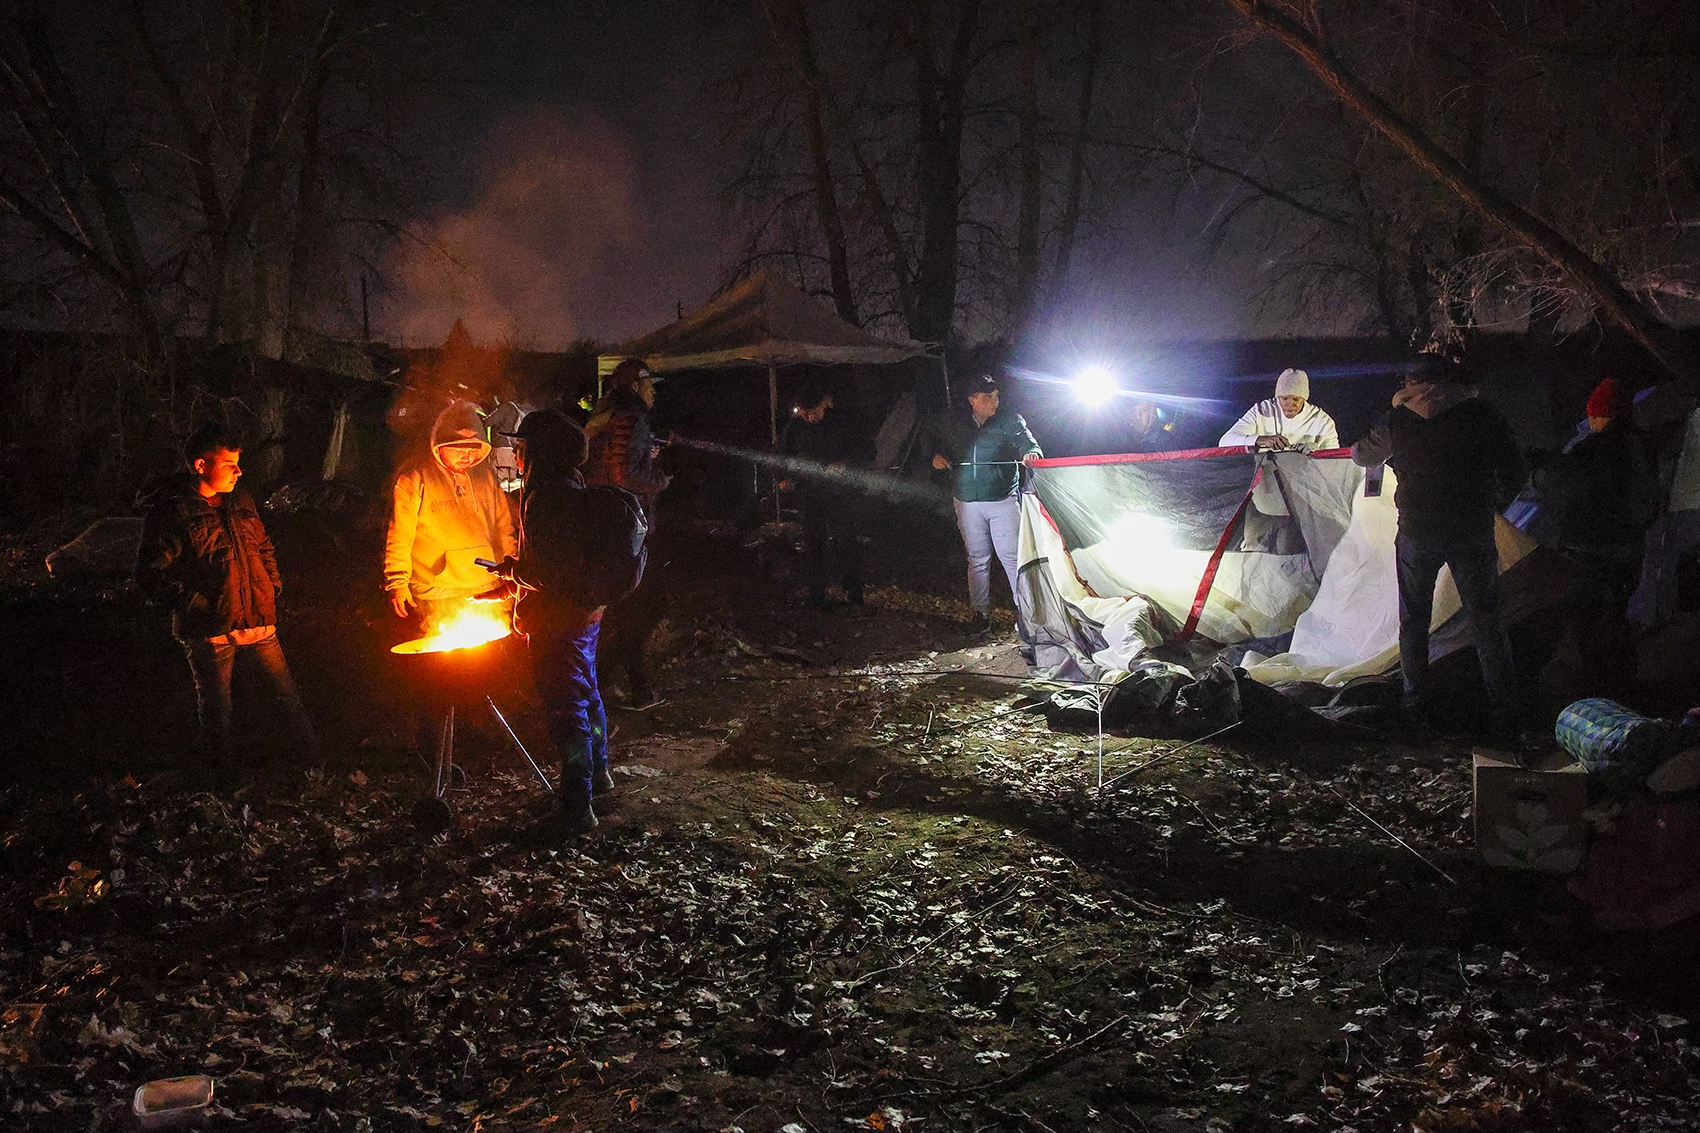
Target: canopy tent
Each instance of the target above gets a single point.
(1122, 553)
(761, 321)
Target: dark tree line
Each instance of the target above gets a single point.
(1420, 168)
(212, 168)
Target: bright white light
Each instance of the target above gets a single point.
(1095, 385)
(1142, 533)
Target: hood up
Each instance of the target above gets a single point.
(459, 423)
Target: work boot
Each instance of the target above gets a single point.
(576, 819)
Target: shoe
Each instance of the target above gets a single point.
(602, 782)
(1679, 773)
(576, 821)
(979, 625)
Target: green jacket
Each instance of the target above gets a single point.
(987, 458)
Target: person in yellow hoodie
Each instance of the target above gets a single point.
(449, 511)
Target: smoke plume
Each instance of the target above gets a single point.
(556, 204)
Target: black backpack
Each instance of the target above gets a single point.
(615, 546)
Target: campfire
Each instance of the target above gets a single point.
(479, 622)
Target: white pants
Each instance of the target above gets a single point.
(988, 529)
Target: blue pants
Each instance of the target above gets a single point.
(563, 666)
(1475, 571)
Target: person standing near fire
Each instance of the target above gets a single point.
(206, 556)
(449, 511)
(582, 546)
(1285, 421)
(622, 454)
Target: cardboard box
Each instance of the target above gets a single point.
(1530, 818)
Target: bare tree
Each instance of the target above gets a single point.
(192, 157)
(943, 146)
(1582, 116)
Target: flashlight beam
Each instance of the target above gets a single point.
(868, 483)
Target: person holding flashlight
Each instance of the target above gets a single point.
(1285, 421)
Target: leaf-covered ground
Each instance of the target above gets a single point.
(842, 885)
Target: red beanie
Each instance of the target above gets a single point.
(1608, 400)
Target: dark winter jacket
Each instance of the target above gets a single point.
(987, 457)
(1456, 470)
(213, 567)
(825, 444)
(552, 551)
(1598, 496)
(620, 441)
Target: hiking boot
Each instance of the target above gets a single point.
(575, 820)
(602, 781)
(979, 625)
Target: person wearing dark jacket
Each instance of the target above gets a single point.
(815, 435)
(623, 451)
(986, 448)
(562, 632)
(206, 557)
(1456, 462)
(623, 448)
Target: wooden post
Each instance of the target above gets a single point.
(773, 434)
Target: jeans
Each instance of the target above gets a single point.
(830, 548)
(563, 666)
(212, 666)
(1475, 571)
(989, 528)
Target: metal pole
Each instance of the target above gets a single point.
(508, 728)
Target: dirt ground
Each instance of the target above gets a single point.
(845, 883)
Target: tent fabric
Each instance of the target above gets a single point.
(761, 321)
(1151, 525)
(1113, 550)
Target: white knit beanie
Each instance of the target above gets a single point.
(1293, 383)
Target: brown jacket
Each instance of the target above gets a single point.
(213, 567)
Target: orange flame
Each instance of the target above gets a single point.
(476, 623)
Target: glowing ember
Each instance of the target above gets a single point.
(476, 623)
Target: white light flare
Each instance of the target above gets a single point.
(1095, 385)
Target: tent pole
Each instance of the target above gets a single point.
(773, 434)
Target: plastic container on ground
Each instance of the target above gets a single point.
(173, 1103)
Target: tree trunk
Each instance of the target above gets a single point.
(790, 25)
(1032, 171)
(939, 120)
(1070, 222)
(306, 209)
(1591, 279)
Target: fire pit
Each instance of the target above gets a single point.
(456, 663)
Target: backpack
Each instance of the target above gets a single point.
(615, 546)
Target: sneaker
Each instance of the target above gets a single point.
(602, 782)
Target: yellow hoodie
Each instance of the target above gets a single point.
(444, 520)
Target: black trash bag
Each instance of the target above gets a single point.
(1212, 701)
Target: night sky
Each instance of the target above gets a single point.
(578, 171)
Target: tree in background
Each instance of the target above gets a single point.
(925, 164)
(1460, 164)
(211, 168)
